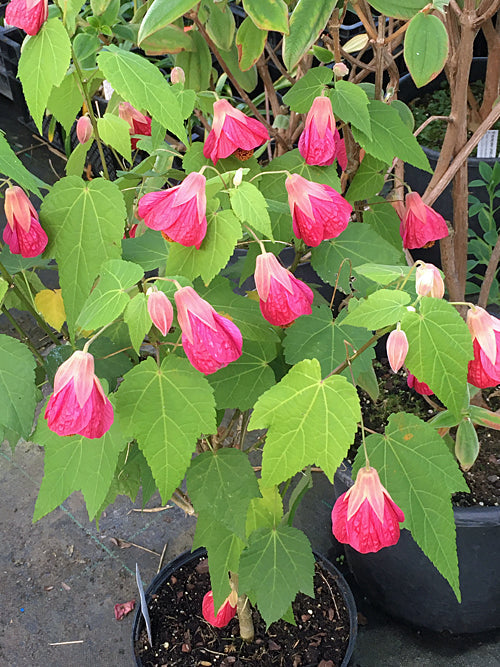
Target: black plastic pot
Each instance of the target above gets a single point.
(405, 584)
(188, 557)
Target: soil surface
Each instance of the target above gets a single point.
(484, 477)
(183, 638)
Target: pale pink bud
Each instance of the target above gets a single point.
(177, 75)
(428, 281)
(83, 129)
(320, 142)
(340, 70)
(160, 310)
(138, 122)
(397, 349)
(365, 516)
(482, 327)
(23, 233)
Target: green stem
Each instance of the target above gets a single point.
(93, 120)
(24, 336)
(256, 238)
(96, 335)
(364, 347)
(43, 325)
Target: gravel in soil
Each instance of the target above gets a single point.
(183, 638)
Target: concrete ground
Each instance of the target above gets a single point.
(60, 578)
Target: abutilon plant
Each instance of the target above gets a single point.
(23, 232)
(421, 225)
(320, 142)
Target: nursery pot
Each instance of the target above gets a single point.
(188, 560)
(404, 583)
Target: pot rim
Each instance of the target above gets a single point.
(188, 556)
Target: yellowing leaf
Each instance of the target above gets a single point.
(50, 304)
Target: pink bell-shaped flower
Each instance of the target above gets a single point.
(397, 348)
(179, 212)
(484, 328)
(481, 372)
(428, 281)
(78, 404)
(138, 122)
(233, 132)
(365, 516)
(282, 296)
(29, 15)
(420, 225)
(420, 387)
(210, 340)
(320, 142)
(160, 310)
(23, 233)
(226, 612)
(83, 129)
(318, 211)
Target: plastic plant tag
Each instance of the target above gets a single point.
(144, 606)
(487, 146)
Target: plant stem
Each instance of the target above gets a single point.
(489, 276)
(364, 347)
(247, 632)
(24, 336)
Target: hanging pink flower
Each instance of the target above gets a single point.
(83, 129)
(365, 516)
(138, 122)
(232, 131)
(29, 15)
(428, 281)
(318, 211)
(160, 310)
(78, 405)
(320, 142)
(397, 349)
(226, 612)
(481, 372)
(282, 296)
(210, 340)
(420, 387)
(22, 233)
(420, 225)
(484, 328)
(179, 212)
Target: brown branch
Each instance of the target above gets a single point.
(364, 20)
(489, 276)
(488, 14)
(276, 61)
(400, 31)
(428, 121)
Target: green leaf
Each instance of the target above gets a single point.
(310, 421)
(74, 463)
(384, 220)
(109, 298)
(12, 167)
(84, 222)
(380, 309)
(301, 95)
(399, 9)
(383, 274)
(440, 347)
(161, 13)
(368, 180)
(221, 26)
(223, 483)
(318, 336)
(358, 243)
(115, 132)
(276, 565)
(166, 410)
(169, 39)
(223, 549)
(4, 286)
(250, 206)
(268, 14)
(17, 387)
(131, 472)
(76, 161)
(138, 319)
(419, 471)
(265, 512)
(307, 21)
(350, 103)
(150, 250)
(85, 47)
(142, 84)
(485, 417)
(43, 63)
(240, 384)
(65, 101)
(197, 64)
(250, 42)
(425, 48)
(248, 79)
(390, 137)
(223, 232)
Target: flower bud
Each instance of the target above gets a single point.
(428, 281)
(238, 177)
(466, 444)
(340, 70)
(83, 129)
(160, 310)
(177, 75)
(397, 349)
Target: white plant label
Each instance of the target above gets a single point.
(487, 146)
